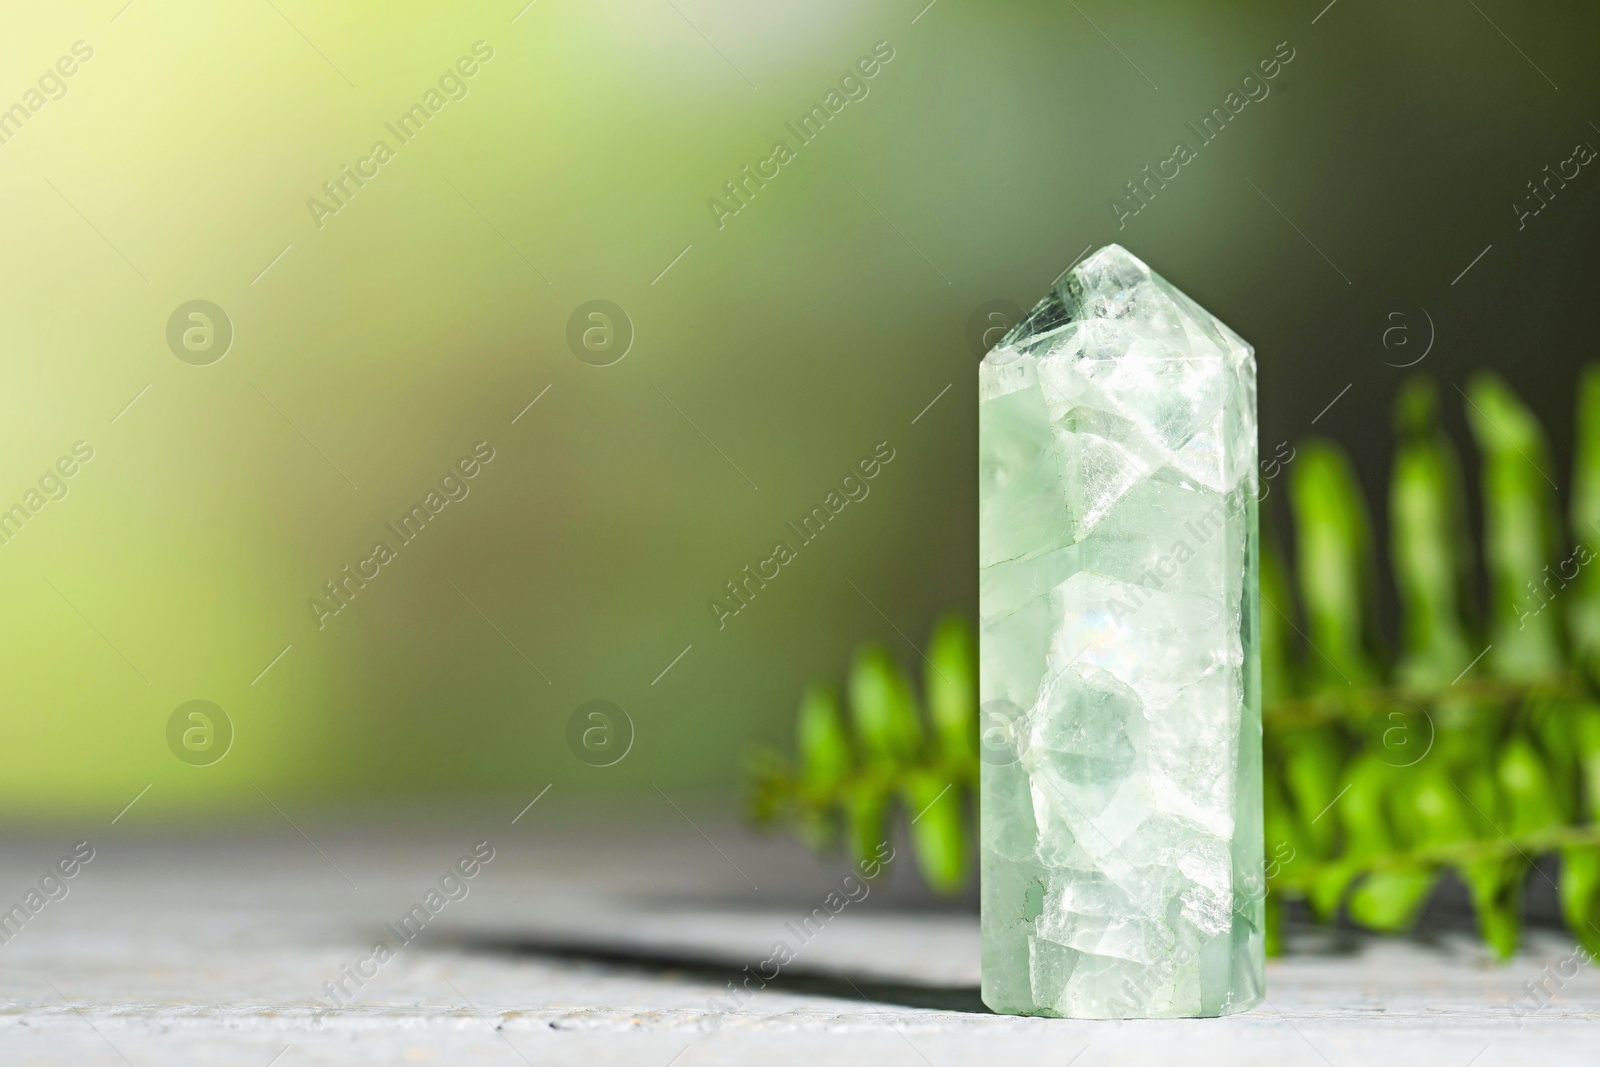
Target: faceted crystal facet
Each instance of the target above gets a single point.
(1122, 839)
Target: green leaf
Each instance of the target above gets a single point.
(1277, 608)
(820, 738)
(1274, 925)
(1580, 894)
(1583, 611)
(1334, 543)
(1530, 800)
(1495, 882)
(1285, 836)
(1364, 808)
(951, 685)
(1520, 530)
(1361, 814)
(1428, 543)
(1496, 888)
(1430, 808)
(938, 830)
(772, 792)
(866, 818)
(882, 708)
(1552, 720)
(1312, 764)
(1390, 899)
(1585, 734)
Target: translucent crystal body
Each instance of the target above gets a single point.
(1120, 679)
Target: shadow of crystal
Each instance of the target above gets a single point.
(723, 973)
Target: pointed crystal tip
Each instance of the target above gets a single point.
(1115, 287)
(1109, 261)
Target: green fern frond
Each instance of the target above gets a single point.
(1472, 748)
(853, 773)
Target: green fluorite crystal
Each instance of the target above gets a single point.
(1120, 676)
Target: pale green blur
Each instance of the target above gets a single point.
(376, 345)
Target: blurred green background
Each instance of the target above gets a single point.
(768, 356)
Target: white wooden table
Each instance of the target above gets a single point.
(599, 938)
